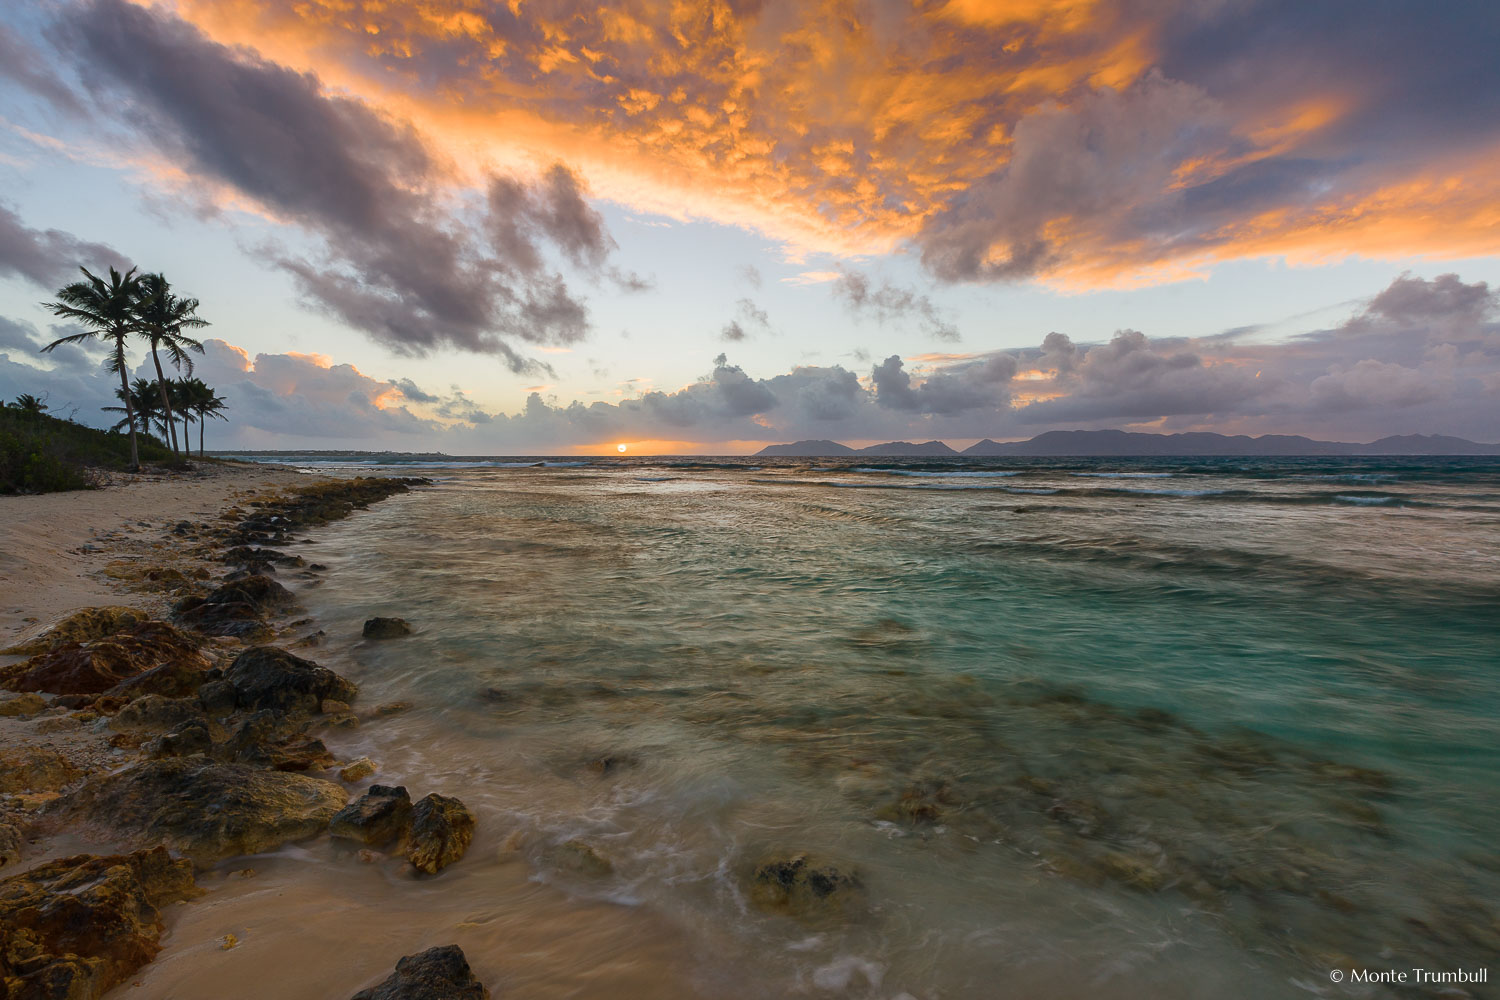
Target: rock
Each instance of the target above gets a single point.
(341, 720)
(265, 677)
(236, 608)
(332, 706)
(25, 704)
(152, 711)
(392, 707)
(74, 928)
(376, 818)
(81, 626)
(35, 769)
(436, 974)
(208, 810)
(266, 739)
(386, 628)
(357, 770)
(190, 738)
(10, 844)
(174, 679)
(441, 829)
(218, 698)
(99, 665)
(804, 886)
(578, 856)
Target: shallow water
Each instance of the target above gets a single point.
(1082, 728)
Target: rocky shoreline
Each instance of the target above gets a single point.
(186, 735)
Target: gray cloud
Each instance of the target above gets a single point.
(49, 258)
(1420, 357)
(732, 332)
(887, 302)
(396, 264)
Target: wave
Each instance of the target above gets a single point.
(1124, 475)
(996, 474)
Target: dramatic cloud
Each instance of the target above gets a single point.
(1091, 144)
(399, 263)
(50, 258)
(1420, 357)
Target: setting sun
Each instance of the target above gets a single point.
(620, 448)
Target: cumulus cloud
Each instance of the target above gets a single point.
(396, 262)
(1423, 356)
(892, 303)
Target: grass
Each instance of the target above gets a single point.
(42, 454)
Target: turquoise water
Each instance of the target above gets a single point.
(1102, 728)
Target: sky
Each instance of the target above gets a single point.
(544, 227)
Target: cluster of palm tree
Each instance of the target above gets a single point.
(189, 399)
(131, 305)
(27, 403)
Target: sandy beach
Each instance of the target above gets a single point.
(54, 546)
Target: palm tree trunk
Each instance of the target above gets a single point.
(166, 405)
(202, 419)
(135, 454)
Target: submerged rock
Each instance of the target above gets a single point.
(436, 974)
(265, 677)
(441, 829)
(386, 628)
(581, 857)
(357, 770)
(804, 886)
(376, 818)
(74, 928)
(208, 810)
(97, 666)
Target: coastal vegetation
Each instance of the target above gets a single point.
(40, 453)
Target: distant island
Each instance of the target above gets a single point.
(1122, 444)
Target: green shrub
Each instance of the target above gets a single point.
(42, 454)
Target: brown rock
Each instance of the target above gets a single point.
(80, 626)
(35, 769)
(441, 829)
(386, 628)
(205, 809)
(376, 818)
(96, 666)
(74, 928)
(25, 704)
(357, 770)
(436, 974)
(265, 677)
(10, 844)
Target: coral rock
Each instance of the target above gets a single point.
(75, 927)
(97, 666)
(265, 677)
(376, 818)
(441, 829)
(386, 628)
(436, 974)
(208, 810)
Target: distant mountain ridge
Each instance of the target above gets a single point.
(1124, 444)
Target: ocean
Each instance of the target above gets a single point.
(1071, 727)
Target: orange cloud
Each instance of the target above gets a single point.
(849, 129)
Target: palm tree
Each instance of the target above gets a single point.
(203, 401)
(107, 310)
(163, 316)
(27, 403)
(144, 402)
